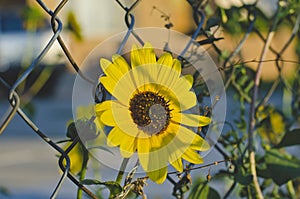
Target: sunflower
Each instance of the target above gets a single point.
(148, 111)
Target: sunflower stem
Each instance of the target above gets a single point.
(121, 170)
(83, 171)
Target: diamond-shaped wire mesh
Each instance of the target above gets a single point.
(57, 26)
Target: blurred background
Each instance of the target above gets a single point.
(28, 167)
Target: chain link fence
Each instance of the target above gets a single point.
(230, 64)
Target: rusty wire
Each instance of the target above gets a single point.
(129, 20)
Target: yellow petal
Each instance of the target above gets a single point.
(184, 83)
(191, 156)
(141, 76)
(111, 110)
(176, 149)
(157, 159)
(186, 98)
(115, 73)
(177, 164)
(120, 63)
(191, 119)
(124, 121)
(107, 118)
(176, 65)
(165, 60)
(167, 76)
(143, 147)
(169, 70)
(149, 54)
(158, 176)
(117, 137)
(84, 111)
(151, 157)
(156, 142)
(173, 147)
(108, 83)
(142, 56)
(184, 141)
(110, 70)
(135, 56)
(121, 90)
(191, 140)
(199, 144)
(106, 105)
(114, 137)
(181, 102)
(128, 145)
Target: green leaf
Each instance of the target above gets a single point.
(290, 138)
(203, 190)
(280, 167)
(114, 187)
(243, 179)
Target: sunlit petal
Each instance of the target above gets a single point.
(115, 137)
(165, 60)
(177, 164)
(192, 157)
(191, 119)
(144, 147)
(107, 118)
(120, 63)
(142, 56)
(106, 105)
(128, 147)
(158, 176)
(111, 70)
(184, 83)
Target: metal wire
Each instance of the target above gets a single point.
(14, 99)
(129, 19)
(15, 103)
(11, 110)
(195, 34)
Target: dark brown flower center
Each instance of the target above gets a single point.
(150, 111)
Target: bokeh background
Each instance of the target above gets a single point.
(28, 167)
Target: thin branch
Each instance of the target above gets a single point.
(252, 19)
(201, 167)
(270, 93)
(287, 44)
(256, 61)
(252, 114)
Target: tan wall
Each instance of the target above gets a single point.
(252, 50)
(181, 16)
(179, 11)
